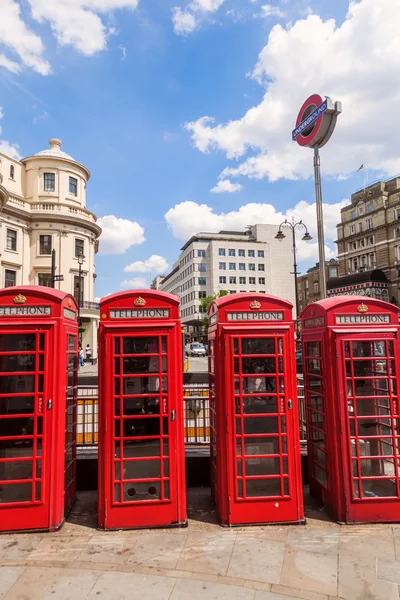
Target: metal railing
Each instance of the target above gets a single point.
(196, 414)
(87, 421)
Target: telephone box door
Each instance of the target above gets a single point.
(369, 370)
(263, 419)
(143, 446)
(25, 426)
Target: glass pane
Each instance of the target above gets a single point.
(23, 342)
(17, 405)
(140, 345)
(16, 492)
(117, 493)
(71, 342)
(372, 348)
(320, 475)
(235, 346)
(15, 470)
(141, 469)
(314, 383)
(17, 362)
(17, 427)
(16, 448)
(375, 467)
(368, 368)
(260, 425)
(141, 385)
(38, 491)
(378, 488)
(254, 385)
(373, 407)
(164, 345)
(258, 346)
(258, 365)
(146, 448)
(117, 346)
(257, 404)
(261, 445)
(141, 427)
(141, 364)
(374, 447)
(312, 349)
(117, 363)
(139, 491)
(373, 427)
(262, 466)
(263, 487)
(17, 384)
(240, 488)
(166, 490)
(141, 406)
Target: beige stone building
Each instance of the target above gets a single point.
(43, 208)
(369, 236)
(308, 284)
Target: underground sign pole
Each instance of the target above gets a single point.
(315, 124)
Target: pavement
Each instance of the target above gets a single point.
(318, 561)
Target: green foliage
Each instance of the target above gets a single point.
(205, 303)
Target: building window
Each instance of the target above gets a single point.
(241, 253)
(242, 267)
(222, 266)
(251, 253)
(352, 229)
(316, 287)
(252, 267)
(49, 182)
(221, 251)
(242, 280)
(78, 288)
(202, 281)
(45, 244)
(261, 280)
(361, 210)
(232, 279)
(73, 186)
(12, 171)
(201, 252)
(368, 224)
(232, 291)
(203, 294)
(79, 247)
(360, 227)
(261, 267)
(222, 279)
(11, 241)
(232, 266)
(369, 208)
(353, 214)
(333, 272)
(10, 278)
(252, 280)
(396, 214)
(202, 267)
(260, 253)
(44, 279)
(231, 252)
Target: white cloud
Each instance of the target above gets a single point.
(188, 218)
(155, 264)
(123, 52)
(272, 11)
(225, 186)
(187, 20)
(6, 147)
(352, 62)
(20, 41)
(119, 234)
(135, 283)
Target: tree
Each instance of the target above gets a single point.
(205, 303)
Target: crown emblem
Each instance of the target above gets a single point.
(362, 308)
(255, 304)
(69, 302)
(140, 301)
(20, 299)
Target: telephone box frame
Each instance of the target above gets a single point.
(351, 370)
(141, 322)
(237, 323)
(38, 442)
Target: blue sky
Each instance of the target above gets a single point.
(127, 85)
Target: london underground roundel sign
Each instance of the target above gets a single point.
(316, 121)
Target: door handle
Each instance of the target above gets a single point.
(290, 405)
(173, 415)
(49, 404)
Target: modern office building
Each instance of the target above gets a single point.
(308, 284)
(43, 208)
(236, 261)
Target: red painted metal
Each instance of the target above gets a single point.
(255, 446)
(141, 443)
(351, 379)
(38, 386)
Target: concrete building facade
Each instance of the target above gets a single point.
(236, 261)
(43, 208)
(308, 284)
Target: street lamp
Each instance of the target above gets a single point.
(306, 238)
(81, 260)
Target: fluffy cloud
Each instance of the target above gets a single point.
(155, 264)
(135, 283)
(19, 40)
(188, 19)
(271, 11)
(11, 150)
(352, 62)
(119, 234)
(225, 186)
(188, 218)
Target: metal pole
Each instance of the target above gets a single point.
(320, 222)
(296, 291)
(79, 303)
(53, 268)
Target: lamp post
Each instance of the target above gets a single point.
(81, 260)
(306, 238)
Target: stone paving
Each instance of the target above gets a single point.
(319, 561)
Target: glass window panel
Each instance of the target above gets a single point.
(166, 490)
(238, 426)
(71, 342)
(17, 384)
(254, 385)
(17, 362)
(257, 404)
(139, 491)
(141, 427)
(141, 469)
(236, 366)
(40, 383)
(144, 449)
(263, 487)
(240, 488)
(319, 456)
(317, 419)
(38, 446)
(260, 445)
(142, 364)
(375, 467)
(314, 366)
(39, 468)
(17, 427)
(117, 346)
(15, 470)
(316, 402)
(235, 346)
(117, 366)
(260, 425)
(373, 407)
(16, 448)
(141, 406)
(141, 385)
(262, 466)
(280, 364)
(38, 491)
(374, 427)
(258, 346)
(318, 437)
(374, 447)
(117, 492)
(315, 383)
(283, 424)
(166, 468)
(165, 447)
(312, 349)
(15, 405)
(368, 348)
(140, 345)
(258, 365)
(320, 475)
(164, 345)
(16, 492)
(117, 469)
(368, 368)
(18, 342)
(378, 488)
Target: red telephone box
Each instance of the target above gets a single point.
(141, 443)
(351, 377)
(38, 392)
(255, 446)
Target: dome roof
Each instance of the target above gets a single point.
(55, 150)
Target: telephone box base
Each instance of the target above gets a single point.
(181, 525)
(267, 523)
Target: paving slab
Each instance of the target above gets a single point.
(157, 549)
(257, 559)
(321, 541)
(367, 544)
(389, 570)
(303, 594)
(131, 586)
(206, 590)
(310, 571)
(8, 577)
(18, 546)
(113, 549)
(358, 580)
(207, 552)
(59, 548)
